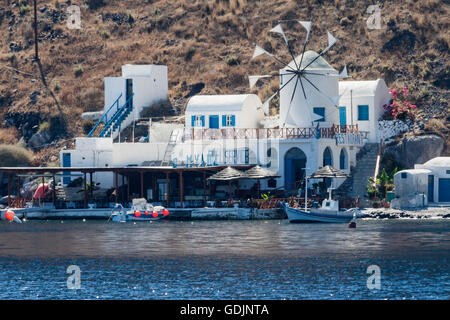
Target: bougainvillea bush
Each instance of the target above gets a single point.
(400, 108)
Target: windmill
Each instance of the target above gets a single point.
(305, 71)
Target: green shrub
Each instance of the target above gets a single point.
(56, 86)
(24, 9)
(14, 156)
(232, 60)
(44, 127)
(105, 34)
(78, 70)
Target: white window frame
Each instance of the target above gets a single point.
(198, 121)
(229, 120)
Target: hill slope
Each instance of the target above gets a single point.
(206, 45)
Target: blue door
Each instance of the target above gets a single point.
(430, 188)
(444, 190)
(294, 169)
(342, 116)
(214, 122)
(66, 163)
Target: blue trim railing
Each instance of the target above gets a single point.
(105, 115)
(117, 116)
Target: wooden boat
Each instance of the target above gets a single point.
(140, 211)
(328, 212)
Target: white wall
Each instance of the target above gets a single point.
(249, 116)
(150, 86)
(301, 110)
(113, 88)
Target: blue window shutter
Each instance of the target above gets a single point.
(233, 119)
(203, 121)
(224, 120)
(342, 116)
(363, 112)
(193, 121)
(320, 112)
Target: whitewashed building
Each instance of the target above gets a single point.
(427, 183)
(233, 130)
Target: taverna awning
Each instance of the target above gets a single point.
(328, 172)
(227, 174)
(258, 172)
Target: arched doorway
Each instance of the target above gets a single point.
(343, 159)
(327, 161)
(294, 168)
(327, 157)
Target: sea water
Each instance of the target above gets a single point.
(380, 259)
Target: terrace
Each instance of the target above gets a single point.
(271, 133)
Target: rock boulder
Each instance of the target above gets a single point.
(416, 150)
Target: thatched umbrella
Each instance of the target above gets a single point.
(258, 173)
(228, 174)
(328, 172)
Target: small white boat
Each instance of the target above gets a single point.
(140, 211)
(328, 212)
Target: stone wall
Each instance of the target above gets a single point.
(390, 128)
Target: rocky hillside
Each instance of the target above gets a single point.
(207, 45)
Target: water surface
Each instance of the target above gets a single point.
(225, 260)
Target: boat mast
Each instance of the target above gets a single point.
(306, 191)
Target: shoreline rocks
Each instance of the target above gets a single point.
(427, 213)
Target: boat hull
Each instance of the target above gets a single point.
(301, 216)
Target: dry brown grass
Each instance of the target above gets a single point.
(9, 135)
(195, 37)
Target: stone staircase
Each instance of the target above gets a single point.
(356, 185)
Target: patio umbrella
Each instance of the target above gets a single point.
(228, 174)
(258, 173)
(328, 172)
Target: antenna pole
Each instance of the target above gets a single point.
(36, 51)
(351, 106)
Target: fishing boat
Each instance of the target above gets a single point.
(140, 211)
(329, 210)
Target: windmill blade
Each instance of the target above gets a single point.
(260, 51)
(307, 26)
(279, 29)
(292, 98)
(332, 100)
(303, 88)
(343, 74)
(331, 42)
(265, 105)
(254, 79)
(321, 74)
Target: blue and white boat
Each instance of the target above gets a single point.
(329, 211)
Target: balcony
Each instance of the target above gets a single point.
(269, 133)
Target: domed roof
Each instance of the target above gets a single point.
(438, 162)
(319, 64)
